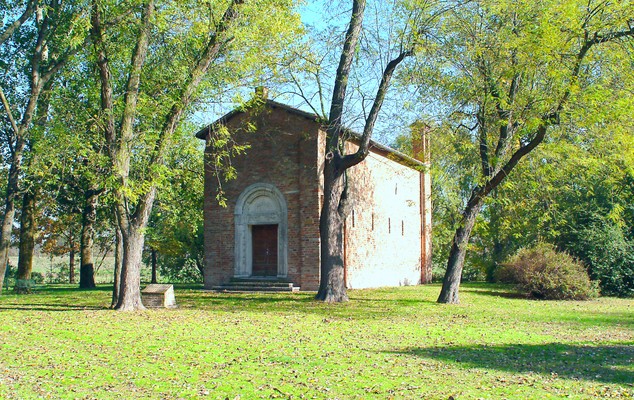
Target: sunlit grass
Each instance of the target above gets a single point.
(61, 342)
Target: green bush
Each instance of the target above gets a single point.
(58, 273)
(37, 277)
(609, 255)
(544, 273)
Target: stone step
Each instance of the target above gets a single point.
(259, 283)
(235, 288)
(261, 279)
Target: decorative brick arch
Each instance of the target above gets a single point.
(260, 204)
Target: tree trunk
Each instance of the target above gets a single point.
(153, 253)
(130, 285)
(497, 249)
(331, 283)
(71, 264)
(451, 281)
(89, 216)
(27, 236)
(9, 209)
(118, 262)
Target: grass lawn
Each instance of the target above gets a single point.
(61, 342)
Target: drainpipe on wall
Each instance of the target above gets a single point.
(421, 150)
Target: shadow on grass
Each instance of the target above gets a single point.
(56, 298)
(493, 289)
(499, 293)
(606, 364)
(49, 307)
(304, 302)
(72, 289)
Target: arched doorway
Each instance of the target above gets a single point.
(261, 232)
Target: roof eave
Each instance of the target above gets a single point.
(400, 157)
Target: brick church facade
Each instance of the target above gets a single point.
(269, 229)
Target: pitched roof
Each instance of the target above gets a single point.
(385, 151)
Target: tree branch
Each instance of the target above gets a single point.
(483, 145)
(14, 126)
(107, 103)
(549, 119)
(215, 44)
(30, 9)
(134, 79)
(343, 72)
(353, 159)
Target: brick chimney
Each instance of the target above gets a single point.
(262, 92)
(422, 152)
(420, 142)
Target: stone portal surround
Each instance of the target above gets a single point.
(260, 204)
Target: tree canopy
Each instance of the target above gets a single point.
(507, 75)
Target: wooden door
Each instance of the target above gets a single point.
(264, 240)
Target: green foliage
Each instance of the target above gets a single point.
(37, 277)
(58, 273)
(175, 230)
(493, 346)
(179, 32)
(576, 193)
(222, 149)
(24, 286)
(602, 246)
(544, 273)
(181, 269)
(495, 76)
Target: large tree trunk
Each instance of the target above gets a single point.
(27, 236)
(89, 217)
(9, 210)
(118, 136)
(118, 263)
(130, 285)
(332, 283)
(451, 281)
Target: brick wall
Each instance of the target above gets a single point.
(383, 245)
(283, 154)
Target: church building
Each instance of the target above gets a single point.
(268, 232)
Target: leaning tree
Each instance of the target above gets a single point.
(509, 73)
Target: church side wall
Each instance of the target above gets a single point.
(383, 232)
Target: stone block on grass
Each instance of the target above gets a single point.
(158, 296)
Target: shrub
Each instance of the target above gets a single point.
(179, 270)
(609, 255)
(544, 273)
(58, 273)
(37, 277)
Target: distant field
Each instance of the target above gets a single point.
(64, 343)
(47, 265)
